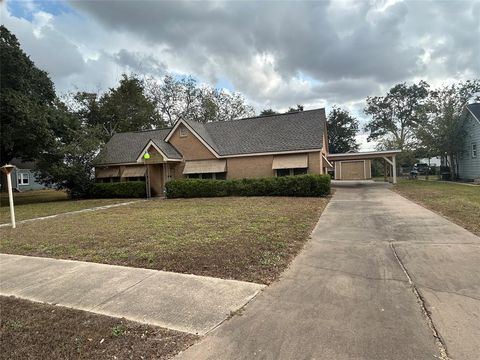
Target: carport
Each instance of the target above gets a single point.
(357, 165)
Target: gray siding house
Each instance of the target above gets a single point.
(23, 177)
(469, 159)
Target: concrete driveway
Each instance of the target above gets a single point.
(381, 278)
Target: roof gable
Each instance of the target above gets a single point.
(126, 147)
(474, 110)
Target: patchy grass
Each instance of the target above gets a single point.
(460, 203)
(39, 331)
(32, 204)
(251, 239)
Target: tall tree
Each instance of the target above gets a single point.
(68, 163)
(120, 109)
(396, 116)
(182, 98)
(27, 103)
(444, 133)
(342, 128)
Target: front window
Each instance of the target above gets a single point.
(474, 150)
(283, 172)
(300, 171)
(23, 179)
(291, 172)
(209, 176)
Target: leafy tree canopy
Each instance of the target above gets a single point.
(182, 98)
(120, 109)
(342, 128)
(297, 109)
(27, 103)
(267, 112)
(397, 115)
(443, 133)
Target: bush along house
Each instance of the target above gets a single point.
(276, 145)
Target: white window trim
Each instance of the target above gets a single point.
(21, 176)
(474, 150)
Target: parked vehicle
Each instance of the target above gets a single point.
(421, 169)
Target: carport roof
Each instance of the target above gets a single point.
(362, 155)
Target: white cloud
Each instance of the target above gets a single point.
(277, 54)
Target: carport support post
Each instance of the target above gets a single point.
(384, 170)
(394, 166)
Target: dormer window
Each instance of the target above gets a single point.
(183, 131)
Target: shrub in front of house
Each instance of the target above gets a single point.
(301, 185)
(130, 189)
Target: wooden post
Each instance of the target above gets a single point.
(384, 170)
(7, 169)
(147, 173)
(394, 169)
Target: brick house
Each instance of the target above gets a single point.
(276, 145)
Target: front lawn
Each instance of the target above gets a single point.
(251, 239)
(39, 331)
(459, 203)
(32, 204)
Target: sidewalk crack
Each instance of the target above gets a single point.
(120, 292)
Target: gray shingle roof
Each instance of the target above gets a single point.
(475, 109)
(275, 133)
(283, 132)
(126, 147)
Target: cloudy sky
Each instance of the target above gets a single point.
(276, 53)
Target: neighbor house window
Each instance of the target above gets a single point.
(183, 131)
(23, 179)
(290, 172)
(214, 176)
(474, 150)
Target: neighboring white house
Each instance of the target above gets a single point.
(469, 159)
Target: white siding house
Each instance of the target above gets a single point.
(469, 159)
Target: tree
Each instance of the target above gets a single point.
(443, 133)
(297, 109)
(396, 116)
(68, 165)
(27, 99)
(342, 129)
(182, 98)
(268, 112)
(120, 109)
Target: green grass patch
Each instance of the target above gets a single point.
(38, 203)
(243, 238)
(458, 202)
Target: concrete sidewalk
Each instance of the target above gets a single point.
(189, 303)
(381, 278)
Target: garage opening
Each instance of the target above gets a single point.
(358, 165)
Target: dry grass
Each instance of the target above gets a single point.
(39, 331)
(37, 203)
(251, 239)
(458, 202)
